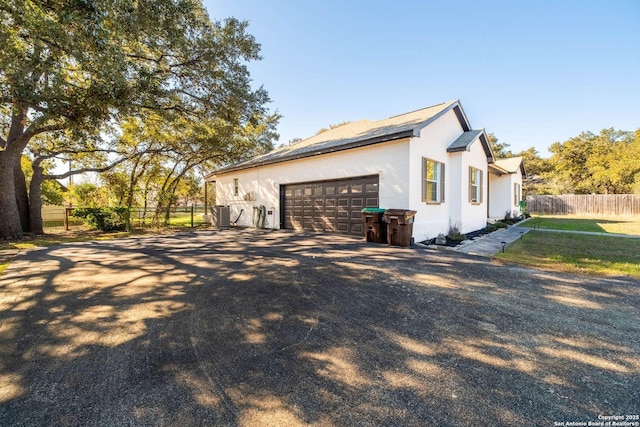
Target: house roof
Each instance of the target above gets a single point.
(510, 165)
(359, 134)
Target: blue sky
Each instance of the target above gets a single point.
(530, 72)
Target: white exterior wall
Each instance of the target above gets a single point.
(473, 216)
(387, 160)
(433, 219)
(501, 191)
(502, 195)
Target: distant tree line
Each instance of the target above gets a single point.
(604, 163)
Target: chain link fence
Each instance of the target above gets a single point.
(57, 217)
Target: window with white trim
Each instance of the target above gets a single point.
(475, 185)
(236, 187)
(516, 194)
(432, 181)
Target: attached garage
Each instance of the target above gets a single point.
(329, 206)
(321, 184)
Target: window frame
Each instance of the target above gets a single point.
(439, 181)
(517, 195)
(475, 185)
(236, 187)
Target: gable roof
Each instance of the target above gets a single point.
(356, 134)
(511, 165)
(467, 138)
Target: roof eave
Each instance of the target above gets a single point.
(497, 169)
(458, 149)
(371, 141)
(486, 146)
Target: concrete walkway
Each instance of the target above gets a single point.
(493, 243)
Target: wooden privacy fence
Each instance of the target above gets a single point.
(585, 204)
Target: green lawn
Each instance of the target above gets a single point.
(618, 225)
(576, 253)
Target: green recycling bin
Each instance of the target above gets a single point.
(375, 229)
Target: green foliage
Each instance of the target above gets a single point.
(608, 163)
(499, 149)
(455, 234)
(85, 194)
(104, 219)
(70, 68)
(52, 193)
(491, 228)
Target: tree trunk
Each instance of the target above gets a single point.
(22, 198)
(10, 226)
(35, 199)
(14, 201)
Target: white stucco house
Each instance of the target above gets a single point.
(429, 160)
(505, 187)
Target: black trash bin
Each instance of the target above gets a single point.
(375, 229)
(399, 226)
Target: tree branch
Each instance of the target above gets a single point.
(83, 170)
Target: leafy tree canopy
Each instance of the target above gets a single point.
(77, 65)
(607, 163)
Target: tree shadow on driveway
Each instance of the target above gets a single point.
(251, 328)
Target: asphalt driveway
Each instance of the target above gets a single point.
(247, 328)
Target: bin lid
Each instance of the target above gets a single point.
(373, 210)
(405, 212)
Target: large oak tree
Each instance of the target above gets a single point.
(74, 65)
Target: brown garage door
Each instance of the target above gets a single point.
(332, 206)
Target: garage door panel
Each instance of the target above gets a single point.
(343, 227)
(331, 206)
(372, 188)
(371, 202)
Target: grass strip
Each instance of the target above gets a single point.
(576, 253)
(617, 225)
